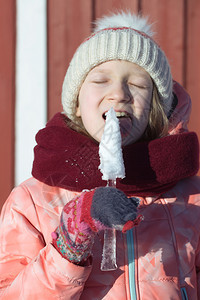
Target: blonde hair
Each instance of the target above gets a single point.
(157, 126)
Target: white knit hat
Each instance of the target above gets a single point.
(121, 36)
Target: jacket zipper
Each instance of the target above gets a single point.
(184, 294)
(131, 263)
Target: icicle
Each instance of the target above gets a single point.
(112, 167)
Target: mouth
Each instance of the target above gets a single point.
(125, 123)
(119, 115)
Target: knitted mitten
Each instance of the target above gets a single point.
(88, 213)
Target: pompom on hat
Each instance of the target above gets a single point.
(122, 36)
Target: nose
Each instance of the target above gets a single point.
(119, 92)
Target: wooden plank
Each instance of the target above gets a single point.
(193, 62)
(168, 19)
(30, 113)
(112, 6)
(68, 23)
(7, 96)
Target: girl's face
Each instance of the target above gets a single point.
(122, 85)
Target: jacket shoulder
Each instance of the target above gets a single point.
(188, 189)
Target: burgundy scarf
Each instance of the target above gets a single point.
(70, 160)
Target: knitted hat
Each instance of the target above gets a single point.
(122, 36)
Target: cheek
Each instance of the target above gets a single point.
(142, 106)
(88, 109)
(88, 97)
(84, 102)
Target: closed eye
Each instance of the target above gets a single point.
(140, 86)
(99, 81)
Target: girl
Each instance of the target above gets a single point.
(52, 227)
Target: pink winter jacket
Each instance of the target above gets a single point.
(159, 259)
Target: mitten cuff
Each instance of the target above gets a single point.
(68, 250)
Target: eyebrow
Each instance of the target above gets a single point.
(99, 71)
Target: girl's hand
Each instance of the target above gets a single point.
(89, 213)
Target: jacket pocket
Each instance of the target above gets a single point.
(184, 294)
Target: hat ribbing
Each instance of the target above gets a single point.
(118, 43)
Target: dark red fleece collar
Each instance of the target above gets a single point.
(70, 160)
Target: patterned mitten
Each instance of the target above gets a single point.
(89, 213)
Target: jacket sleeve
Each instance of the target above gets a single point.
(29, 268)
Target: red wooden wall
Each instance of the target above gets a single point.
(7, 96)
(177, 25)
